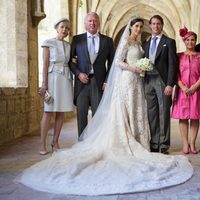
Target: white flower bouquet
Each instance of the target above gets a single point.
(144, 64)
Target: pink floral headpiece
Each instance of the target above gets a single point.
(184, 33)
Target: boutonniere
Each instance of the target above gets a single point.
(164, 45)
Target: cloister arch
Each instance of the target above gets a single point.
(114, 15)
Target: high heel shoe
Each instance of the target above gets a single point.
(193, 151)
(186, 151)
(43, 153)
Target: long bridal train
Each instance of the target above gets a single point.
(109, 161)
(92, 170)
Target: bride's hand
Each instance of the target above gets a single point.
(139, 71)
(104, 86)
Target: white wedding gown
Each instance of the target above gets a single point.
(115, 157)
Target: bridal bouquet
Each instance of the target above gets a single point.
(144, 64)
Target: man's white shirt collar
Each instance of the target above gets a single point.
(158, 36)
(89, 34)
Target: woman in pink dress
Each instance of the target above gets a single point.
(186, 105)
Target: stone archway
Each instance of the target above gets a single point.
(114, 15)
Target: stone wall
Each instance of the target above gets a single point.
(21, 108)
(20, 112)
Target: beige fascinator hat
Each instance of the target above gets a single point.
(61, 20)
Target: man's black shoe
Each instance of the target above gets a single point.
(164, 151)
(154, 150)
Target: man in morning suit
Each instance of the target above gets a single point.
(159, 82)
(94, 53)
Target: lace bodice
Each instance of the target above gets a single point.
(130, 52)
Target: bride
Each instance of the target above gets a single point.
(113, 156)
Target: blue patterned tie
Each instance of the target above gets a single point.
(92, 45)
(153, 46)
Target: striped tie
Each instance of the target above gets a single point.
(153, 46)
(92, 45)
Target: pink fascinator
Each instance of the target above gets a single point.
(184, 33)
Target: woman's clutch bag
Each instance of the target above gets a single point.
(47, 97)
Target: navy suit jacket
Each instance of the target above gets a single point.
(197, 48)
(166, 61)
(101, 65)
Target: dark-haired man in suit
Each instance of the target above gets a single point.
(197, 48)
(161, 50)
(92, 51)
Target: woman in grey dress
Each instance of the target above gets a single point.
(57, 81)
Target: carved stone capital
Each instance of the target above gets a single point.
(37, 11)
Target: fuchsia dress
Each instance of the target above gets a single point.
(187, 107)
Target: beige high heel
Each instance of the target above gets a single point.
(43, 153)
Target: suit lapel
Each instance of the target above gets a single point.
(101, 45)
(160, 46)
(148, 47)
(85, 46)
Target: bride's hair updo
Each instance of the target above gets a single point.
(135, 20)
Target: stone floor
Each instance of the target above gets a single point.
(20, 154)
